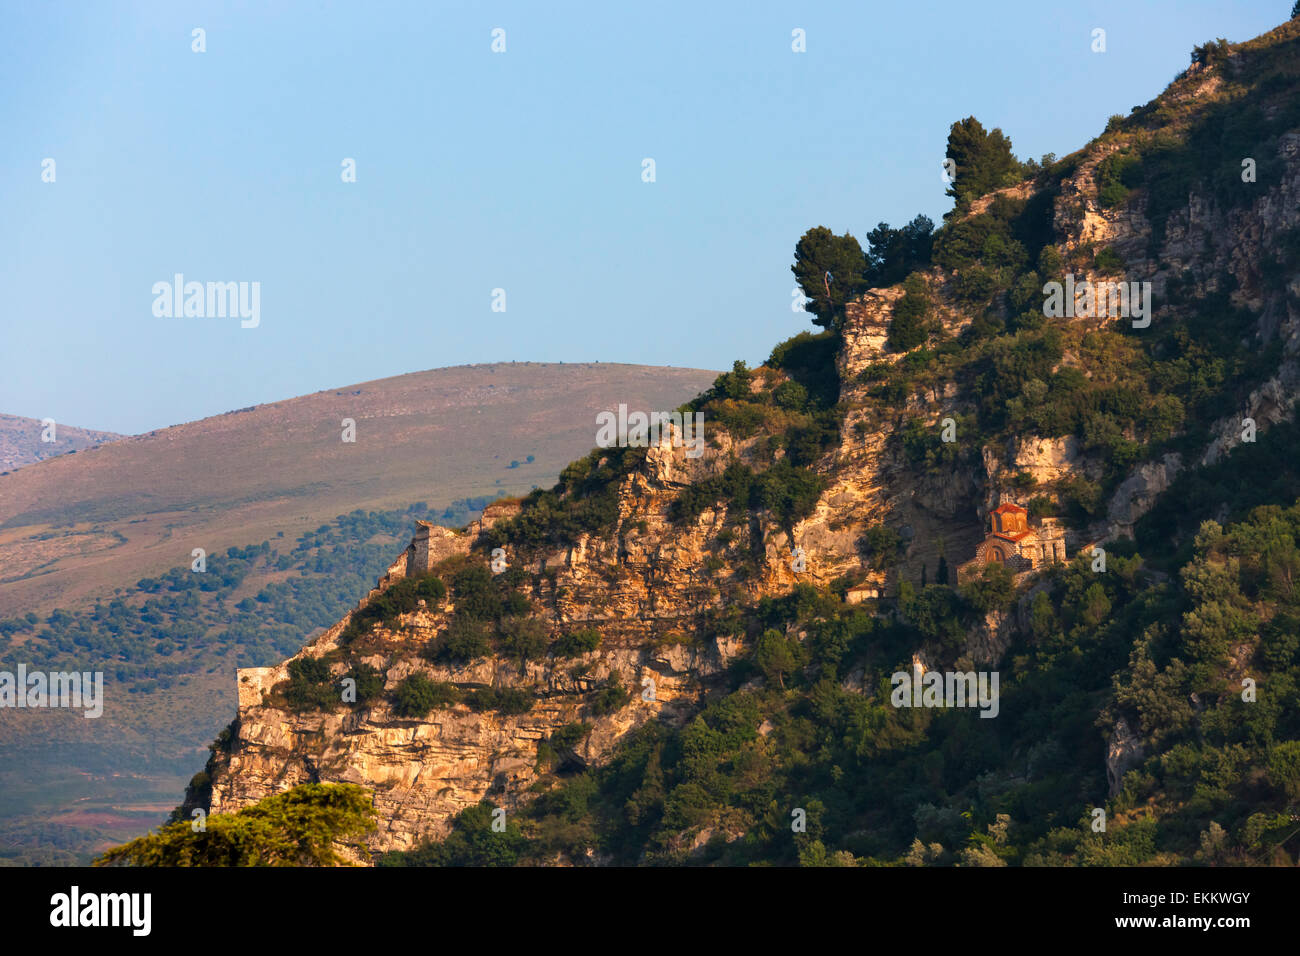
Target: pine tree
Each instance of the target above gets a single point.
(984, 162)
(824, 261)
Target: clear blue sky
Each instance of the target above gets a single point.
(478, 170)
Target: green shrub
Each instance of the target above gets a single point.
(473, 842)
(576, 643)
(465, 639)
(475, 593)
(309, 670)
(417, 695)
(1116, 175)
(993, 590)
(882, 546)
(778, 655)
(1284, 769)
(613, 696)
(907, 329)
(790, 395)
(401, 597)
(309, 686)
(296, 828)
(369, 683)
(522, 638)
(569, 736)
(1109, 261)
(974, 285)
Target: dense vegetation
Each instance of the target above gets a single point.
(889, 786)
(182, 622)
(1190, 633)
(295, 828)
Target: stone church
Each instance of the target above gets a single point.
(1012, 542)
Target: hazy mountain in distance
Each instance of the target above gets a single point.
(78, 526)
(294, 521)
(20, 441)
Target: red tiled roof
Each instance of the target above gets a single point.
(1010, 537)
(1005, 508)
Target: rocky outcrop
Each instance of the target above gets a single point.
(655, 589)
(1139, 492)
(1124, 751)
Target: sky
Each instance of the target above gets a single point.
(476, 171)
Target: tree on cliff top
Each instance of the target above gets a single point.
(296, 828)
(984, 162)
(893, 253)
(824, 261)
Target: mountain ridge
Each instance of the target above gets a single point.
(722, 584)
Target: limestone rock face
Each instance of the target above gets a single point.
(866, 327)
(1139, 491)
(1124, 751)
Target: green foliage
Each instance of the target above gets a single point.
(1109, 262)
(584, 501)
(881, 546)
(504, 700)
(1284, 769)
(1211, 52)
(923, 444)
(309, 685)
(473, 842)
(810, 361)
(991, 591)
(523, 639)
(464, 640)
(569, 736)
(790, 395)
(894, 253)
(296, 828)
(778, 655)
(576, 643)
(475, 593)
(1117, 174)
(819, 252)
(401, 597)
(610, 698)
(984, 161)
(907, 329)
(417, 694)
(991, 252)
(369, 683)
(937, 613)
(789, 492)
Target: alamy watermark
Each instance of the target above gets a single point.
(211, 300)
(129, 910)
(639, 430)
(946, 689)
(1130, 300)
(55, 689)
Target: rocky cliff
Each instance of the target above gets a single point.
(662, 587)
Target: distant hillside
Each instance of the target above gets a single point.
(295, 523)
(20, 441)
(81, 526)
